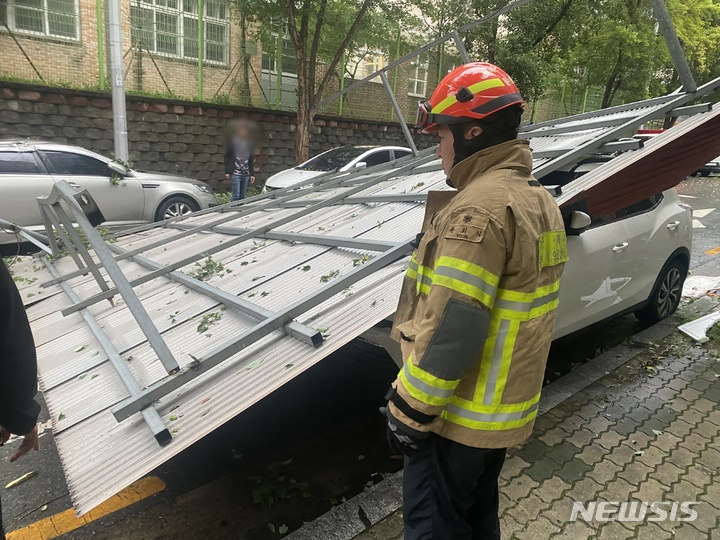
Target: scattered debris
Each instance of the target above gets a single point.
(329, 276)
(208, 320)
(24, 478)
(697, 329)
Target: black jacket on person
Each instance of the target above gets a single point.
(230, 158)
(18, 362)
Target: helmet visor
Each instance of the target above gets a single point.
(424, 114)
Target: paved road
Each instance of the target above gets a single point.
(325, 422)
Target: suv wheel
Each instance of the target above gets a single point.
(176, 207)
(666, 295)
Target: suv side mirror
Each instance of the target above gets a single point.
(579, 223)
(119, 168)
(361, 165)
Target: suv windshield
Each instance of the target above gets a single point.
(333, 159)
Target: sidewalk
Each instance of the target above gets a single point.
(648, 431)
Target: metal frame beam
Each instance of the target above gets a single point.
(299, 331)
(150, 415)
(63, 192)
(130, 406)
(398, 111)
(667, 28)
(220, 247)
(658, 111)
(608, 148)
(302, 238)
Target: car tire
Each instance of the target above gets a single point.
(176, 207)
(666, 295)
(705, 174)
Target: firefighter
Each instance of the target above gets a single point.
(476, 312)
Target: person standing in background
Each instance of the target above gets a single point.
(239, 156)
(18, 373)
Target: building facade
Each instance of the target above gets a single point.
(189, 49)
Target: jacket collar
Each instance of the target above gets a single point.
(514, 154)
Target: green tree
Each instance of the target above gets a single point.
(320, 32)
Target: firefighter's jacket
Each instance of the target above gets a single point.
(478, 305)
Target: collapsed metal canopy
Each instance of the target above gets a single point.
(214, 311)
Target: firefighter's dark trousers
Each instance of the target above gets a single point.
(450, 492)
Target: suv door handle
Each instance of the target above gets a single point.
(621, 247)
(74, 185)
(673, 225)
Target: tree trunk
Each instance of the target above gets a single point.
(305, 119)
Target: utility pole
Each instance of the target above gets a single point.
(117, 80)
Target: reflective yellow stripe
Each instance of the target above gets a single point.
(552, 249)
(425, 387)
(491, 418)
(474, 88)
(461, 276)
(515, 296)
(500, 422)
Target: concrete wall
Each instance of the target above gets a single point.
(175, 136)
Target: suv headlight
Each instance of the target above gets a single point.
(204, 188)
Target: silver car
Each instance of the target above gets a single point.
(126, 197)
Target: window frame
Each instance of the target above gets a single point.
(416, 65)
(50, 167)
(604, 221)
(42, 170)
(180, 15)
(45, 34)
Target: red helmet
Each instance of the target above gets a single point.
(471, 91)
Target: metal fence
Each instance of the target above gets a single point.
(200, 50)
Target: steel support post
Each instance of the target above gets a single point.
(122, 286)
(130, 406)
(117, 79)
(398, 111)
(460, 46)
(150, 415)
(667, 28)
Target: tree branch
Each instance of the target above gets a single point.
(563, 13)
(318, 26)
(341, 49)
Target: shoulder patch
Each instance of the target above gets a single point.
(467, 225)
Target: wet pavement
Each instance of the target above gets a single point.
(306, 448)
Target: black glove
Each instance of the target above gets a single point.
(401, 438)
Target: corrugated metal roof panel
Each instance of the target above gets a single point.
(81, 386)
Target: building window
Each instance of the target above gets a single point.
(287, 56)
(170, 28)
(366, 64)
(417, 83)
(49, 18)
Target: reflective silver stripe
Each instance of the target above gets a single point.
(465, 277)
(496, 362)
(527, 307)
(413, 265)
(422, 279)
(491, 417)
(425, 387)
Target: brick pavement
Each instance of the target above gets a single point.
(648, 431)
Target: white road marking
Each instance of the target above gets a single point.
(697, 224)
(702, 213)
(687, 196)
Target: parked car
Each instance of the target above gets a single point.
(340, 159)
(634, 261)
(712, 167)
(126, 197)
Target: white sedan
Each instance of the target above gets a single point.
(344, 158)
(634, 261)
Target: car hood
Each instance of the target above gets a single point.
(148, 176)
(290, 177)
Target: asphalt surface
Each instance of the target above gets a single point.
(300, 451)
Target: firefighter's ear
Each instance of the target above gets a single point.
(472, 131)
